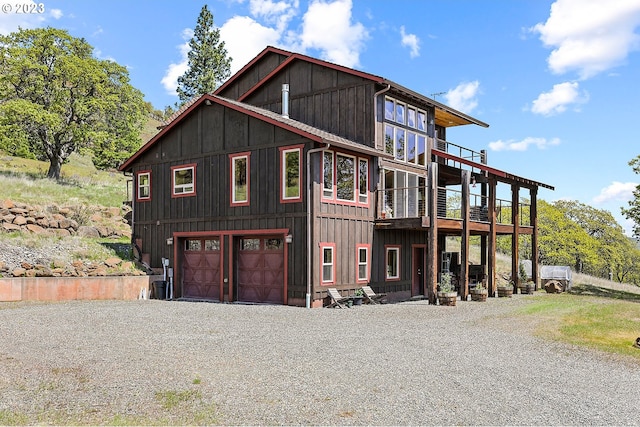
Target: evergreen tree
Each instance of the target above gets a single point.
(209, 64)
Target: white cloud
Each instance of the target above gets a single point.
(557, 100)
(411, 41)
(244, 38)
(327, 26)
(523, 145)
(463, 97)
(617, 191)
(56, 13)
(175, 70)
(590, 36)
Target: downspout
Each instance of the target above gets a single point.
(375, 138)
(309, 191)
(375, 114)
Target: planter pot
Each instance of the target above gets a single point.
(447, 298)
(527, 289)
(479, 295)
(506, 292)
(357, 300)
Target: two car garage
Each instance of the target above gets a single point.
(256, 273)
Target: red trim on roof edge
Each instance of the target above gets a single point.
(291, 57)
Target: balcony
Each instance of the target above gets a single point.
(411, 203)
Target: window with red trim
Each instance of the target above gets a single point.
(183, 180)
(362, 263)
(345, 178)
(239, 179)
(143, 183)
(327, 263)
(291, 174)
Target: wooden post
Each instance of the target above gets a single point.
(464, 244)
(432, 234)
(535, 255)
(491, 249)
(515, 220)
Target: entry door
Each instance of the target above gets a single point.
(201, 262)
(260, 270)
(418, 274)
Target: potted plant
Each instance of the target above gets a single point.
(479, 292)
(526, 286)
(505, 291)
(446, 293)
(358, 295)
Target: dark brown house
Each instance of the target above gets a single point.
(298, 175)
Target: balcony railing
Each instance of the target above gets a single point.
(403, 202)
(461, 152)
(411, 202)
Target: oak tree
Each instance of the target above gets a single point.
(57, 98)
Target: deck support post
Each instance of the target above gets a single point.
(432, 234)
(535, 255)
(491, 244)
(464, 243)
(515, 241)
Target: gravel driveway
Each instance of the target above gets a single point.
(161, 362)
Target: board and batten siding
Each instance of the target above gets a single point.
(206, 139)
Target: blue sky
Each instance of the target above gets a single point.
(557, 81)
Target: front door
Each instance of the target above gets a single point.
(418, 271)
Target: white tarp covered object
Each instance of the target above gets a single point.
(562, 273)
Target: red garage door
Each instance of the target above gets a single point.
(201, 269)
(261, 270)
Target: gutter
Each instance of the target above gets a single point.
(309, 191)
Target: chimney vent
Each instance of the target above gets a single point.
(285, 100)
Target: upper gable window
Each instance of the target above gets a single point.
(143, 180)
(183, 180)
(389, 109)
(405, 132)
(290, 168)
(239, 179)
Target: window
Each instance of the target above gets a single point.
(389, 109)
(192, 245)
(388, 139)
(400, 154)
(290, 175)
(183, 180)
(411, 147)
(239, 179)
(345, 177)
(405, 132)
(400, 117)
(212, 244)
(144, 186)
(411, 117)
(363, 178)
(393, 262)
(249, 244)
(348, 175)
(422, 121)
(362, 261)
(327, 162)
(327, 263)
